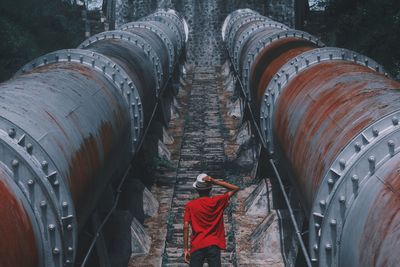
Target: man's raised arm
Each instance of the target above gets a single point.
(232, 188)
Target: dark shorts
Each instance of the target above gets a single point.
(211, 253)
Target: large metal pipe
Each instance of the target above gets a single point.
(70, 123)
(333, 115)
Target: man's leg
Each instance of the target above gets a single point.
(197, 258)
(213, 255)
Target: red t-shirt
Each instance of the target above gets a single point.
(205, 214)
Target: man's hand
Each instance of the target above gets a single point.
(208, 179)
(186, 256)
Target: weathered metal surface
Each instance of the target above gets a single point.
(77, 123)
(334, 116)
(321, 110)
(153, 27)
(70, 123)
(18, 244)
(270, 60)
(120, 46)
(371, 235)
(110, 70)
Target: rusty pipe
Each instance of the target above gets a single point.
(70, 123)
(333, 115)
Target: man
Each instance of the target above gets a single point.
(205, 216)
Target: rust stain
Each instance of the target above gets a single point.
(272, 58)
(17, 242)
(83, 165)
(380, 241)
(322, 109)
(86, 163)
(106, 135)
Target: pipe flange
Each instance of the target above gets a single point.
(231, 36)
(137, 41)
(173, 15)
(46, 191)
(170, 26)
(159, 32)
(178, 23)
(263, 43)
(111, 71)
(185, 26)
(233, 17)
(350, 171)
(291, 69)
(244, 36)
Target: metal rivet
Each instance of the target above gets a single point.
(322, 203)
(342, 199)
(70, 249)
(44, 165)
(354, 179)
(391, 147)
(52, 227)
(11, 132)
(372, 162)
(317, 226)
(29, 148)
(328, 247)
(56, 251)
(31, 182)
(333, 223)
(342, 163)
(69, 227)
(315, 247)
(65, 204)
(43, 203)
(357, 147)
(395, 120)
(56, 183)
(15, 163)
(375, 132)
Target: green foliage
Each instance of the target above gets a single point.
(371, 27)
(30, 28)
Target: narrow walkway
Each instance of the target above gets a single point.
(202, 151)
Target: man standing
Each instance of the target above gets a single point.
(205, 216)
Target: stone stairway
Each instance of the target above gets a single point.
(202, 151)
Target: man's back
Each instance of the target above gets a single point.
(205, 215)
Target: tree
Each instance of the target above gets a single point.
(30, 28)
(371, 27)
